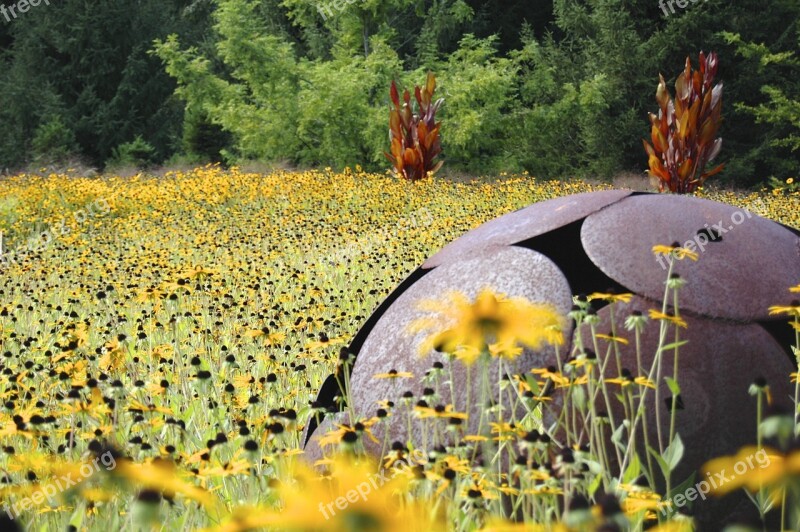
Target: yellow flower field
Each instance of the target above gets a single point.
(162, 337)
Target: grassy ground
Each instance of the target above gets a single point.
(192, 318)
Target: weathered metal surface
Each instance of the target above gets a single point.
(513, 271)
(716, 368)
(737, 277)
(526, 223)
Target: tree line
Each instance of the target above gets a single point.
(559, 88)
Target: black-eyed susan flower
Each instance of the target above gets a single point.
(586, 358)
(628, 381)
(793, 309)
(480, 491)
(544, 489)
(636, 321)
(550, 373)
(675, 320)
(638, 499)
(611, 298)
(198, 271)
(230, 468)
(162, 476)
(439, 411)
(137, 406)
(492, 319)
(466, 354)
(354, 494)
(323, 342)
(505, 350)
(505, 431)
(675, 281)
(676, 251)
(394, 374)
(611, 337)
(349, 434)
(753, 468)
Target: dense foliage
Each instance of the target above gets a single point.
(76, 78)
(556, 89)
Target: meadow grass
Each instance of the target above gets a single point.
(187, 321)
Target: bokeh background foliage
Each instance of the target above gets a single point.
(556, 88)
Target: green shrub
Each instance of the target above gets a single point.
(338, 106)
(137, 154)
(776, 109)
(561, 124)
(53, 141)
(203, 141)
(479, 90)
(255, 98)
(332, 113)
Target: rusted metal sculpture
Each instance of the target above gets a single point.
(602, 241)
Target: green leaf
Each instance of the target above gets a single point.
(579, 397)
(682, 488)
(633, 470)
(674, 452)
(673, 385)
(595, 483)
(662, 464)
(688, 482)
(76, 519)
(533, 384)
(673, 345)
(616, 437)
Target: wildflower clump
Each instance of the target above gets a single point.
(190, 348)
